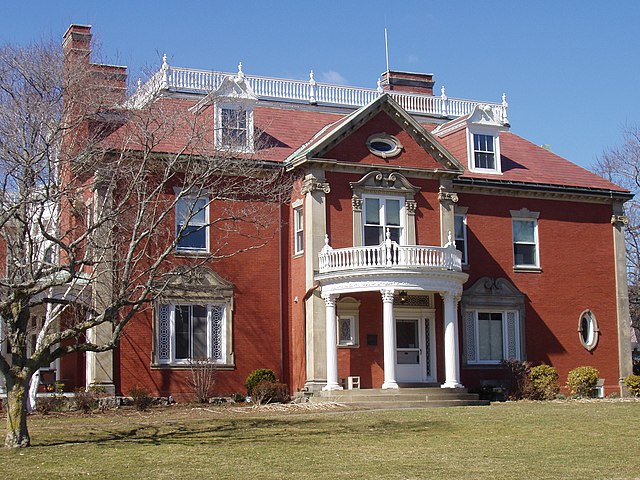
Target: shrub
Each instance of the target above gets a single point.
(258, 376)
(544, 382)
(140, 398)
(633, 384)
(582, 381)
(519, 384)
(86, 400)
(203, 378)
(238, 397)
(270, 392)
(53, 403)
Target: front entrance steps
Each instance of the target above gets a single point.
(403, 397)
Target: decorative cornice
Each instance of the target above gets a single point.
(385, 182)
(524, 190)
(619, 220)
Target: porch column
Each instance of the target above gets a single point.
(451, 348)
(331, 338)
(389, 339)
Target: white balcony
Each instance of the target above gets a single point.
(390, 255)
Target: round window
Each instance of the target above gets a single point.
(588, 330)
(384, 145)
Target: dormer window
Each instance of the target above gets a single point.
(234, 127)
(484, 152)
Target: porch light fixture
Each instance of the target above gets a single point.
(403, 297)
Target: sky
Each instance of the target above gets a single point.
(570, 69)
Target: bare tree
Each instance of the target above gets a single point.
(621, 165)
(90, 195)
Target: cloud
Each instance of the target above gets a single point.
(333, 77)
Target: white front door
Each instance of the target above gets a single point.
(415, 352)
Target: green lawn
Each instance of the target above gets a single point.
(595, 439)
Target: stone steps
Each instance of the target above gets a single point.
(419, 397)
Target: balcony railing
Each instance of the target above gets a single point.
(389, 254)
(269, 88)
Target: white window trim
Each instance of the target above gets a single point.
(298, 230)
(592, 342)
(462, 212)
(171, 360)
(248, 146)
(490, 131)
(527, 216)
(403, 215)
(348, 308)
(505, 336)
(206, 223)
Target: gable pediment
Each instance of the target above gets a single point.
(384, 118)
(195, 283)
(233, 89)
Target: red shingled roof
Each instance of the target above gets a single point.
(525, 162)
(286, 130)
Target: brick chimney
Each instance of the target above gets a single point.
(110, 80)
(407, 82)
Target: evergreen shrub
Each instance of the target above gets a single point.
(258, 376)
(581, 381)
(633, 384)
(544, 382)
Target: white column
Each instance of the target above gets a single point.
(332, 347)
(451, 349)
(389, 339)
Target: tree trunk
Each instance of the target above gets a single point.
(17, 432)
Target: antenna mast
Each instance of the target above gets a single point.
(386, 46)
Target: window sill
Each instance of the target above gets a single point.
(527, 269)
(348, 345)
(191, 253)
(186, 366)
(298, 254)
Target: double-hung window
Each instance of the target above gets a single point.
(234, 127)
(192, 224)
(189, 332)
(484, 155)
(525, 242)
(494, 337)
(460, 227)
(298, 230)
(382, 214)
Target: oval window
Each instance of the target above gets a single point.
(588, 330)
(384, 145)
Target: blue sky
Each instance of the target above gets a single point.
(570, 69)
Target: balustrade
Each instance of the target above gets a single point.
(390, 254)
(203, 81)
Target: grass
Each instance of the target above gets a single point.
(594, 439)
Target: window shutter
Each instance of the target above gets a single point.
(512, 336)
(470, 334)
(217, 315)
(164, 334)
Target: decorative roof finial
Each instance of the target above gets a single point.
(311, 77)
(379, 86)
(139, 84)
(240, 72)
(443, 92)
(165, 65)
